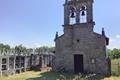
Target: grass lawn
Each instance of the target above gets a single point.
(32, 75)
(115, 66)
(22, 76)
(113, 78)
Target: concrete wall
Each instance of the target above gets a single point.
(11, 63)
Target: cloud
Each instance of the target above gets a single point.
(114, 42)
(36, 45)
(117, 36)
(32, 45)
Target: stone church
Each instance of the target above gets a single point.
(80, 49)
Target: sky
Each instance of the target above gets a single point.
(34, 23)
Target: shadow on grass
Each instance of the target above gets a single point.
(48, 76)
(65, 76)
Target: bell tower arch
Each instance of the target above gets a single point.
(78, 11)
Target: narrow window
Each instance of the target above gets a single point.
(72, 15)
(93, 61)
(83, 14)
(78, 40)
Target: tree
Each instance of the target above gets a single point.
(4, 47)
(52, 49)
(114, 54)
(45, 49)
(20, 49)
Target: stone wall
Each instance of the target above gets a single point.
(82, 40)
(11, 63)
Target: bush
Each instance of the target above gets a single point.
(114, 54)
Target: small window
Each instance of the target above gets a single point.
(4, 61)
(4, 67)
(93, 61)
(78, 40)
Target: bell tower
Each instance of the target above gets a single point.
(78, 19)
(78, 11)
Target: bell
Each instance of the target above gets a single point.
(83, 13)
(83, 8)
(72, 15)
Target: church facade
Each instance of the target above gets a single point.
(80, 49)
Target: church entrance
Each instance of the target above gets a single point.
(78, 63)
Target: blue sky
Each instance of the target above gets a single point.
(33, 23)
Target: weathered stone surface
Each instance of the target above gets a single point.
(79, 38)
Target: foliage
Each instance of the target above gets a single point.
(45, 49)
(114, 54)
(20, 48)
(4, 47)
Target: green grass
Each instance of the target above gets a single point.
(33, 75)
(22, 76)
(115, 67)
